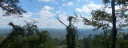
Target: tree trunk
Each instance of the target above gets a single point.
(114, 31)
(105, 37)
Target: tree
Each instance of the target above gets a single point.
(113, 3)
(114, 17)
(114, 33)
(71, 32)
(11, 7)
(36, 38)
(31, 35)
(27, 36)
(100, 20)
(31, 28)
(103, 20)
(87, 42)
(45, 40)
(14, 39)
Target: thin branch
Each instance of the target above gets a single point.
(75, 14)
(60, 20)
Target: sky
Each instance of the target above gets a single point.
(45, 12)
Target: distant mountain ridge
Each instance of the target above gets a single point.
(57, 33)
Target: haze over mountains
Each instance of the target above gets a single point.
(56, 33)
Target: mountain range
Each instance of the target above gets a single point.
(57, 33)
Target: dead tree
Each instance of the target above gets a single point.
(71, 32)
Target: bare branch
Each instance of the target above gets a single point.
(60, 20)
(75, 14)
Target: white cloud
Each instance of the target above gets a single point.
(28, 14)
(109, 9)
(68, 4)
(46, 12)
(47, 19)
(47, 8)
(49, 23)
(4, 20)
(88, 8)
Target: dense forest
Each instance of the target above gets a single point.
(113, 25)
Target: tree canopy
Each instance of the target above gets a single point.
(11, 7)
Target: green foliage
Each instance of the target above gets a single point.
(31, 38)
(103, 20)
(71, 36)
(99, 41)
(45, 40)
(1, 38)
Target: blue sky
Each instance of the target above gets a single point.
(44, 11)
